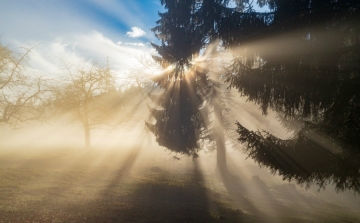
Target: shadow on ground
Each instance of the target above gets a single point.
(97, 187)
(45, 190)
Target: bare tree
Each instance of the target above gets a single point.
(89, 94)
(140, 76)
(21, 94)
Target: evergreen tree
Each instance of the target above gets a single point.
(185, 29)
(178, 122)
(304, 66)
(310, 74)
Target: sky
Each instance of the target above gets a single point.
(74, 31)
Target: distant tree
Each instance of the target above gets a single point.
(21, 94)
(139, 76)
(90, 95)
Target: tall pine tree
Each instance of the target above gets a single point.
(185, 30)
(178, 123)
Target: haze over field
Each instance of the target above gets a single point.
(179, 111)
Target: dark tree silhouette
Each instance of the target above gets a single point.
(304, 65)
(178, 122)
(282, 60)
(309, 157)
(184, 30)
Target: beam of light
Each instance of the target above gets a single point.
(118, 155)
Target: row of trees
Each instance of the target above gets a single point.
(87, 93)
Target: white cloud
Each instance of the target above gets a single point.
(130, 44)
(135, 44)
(136, 32)
(49, 57)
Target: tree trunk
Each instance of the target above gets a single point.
(87, 136)
(221, 164)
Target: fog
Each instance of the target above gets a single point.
(131, 149)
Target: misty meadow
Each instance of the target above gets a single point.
(180, 111)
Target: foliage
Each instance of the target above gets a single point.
(310, 157)
(304, 66)
(314, 79)
(299, 59)
(187, 31)
(178, 121)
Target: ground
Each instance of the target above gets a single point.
(67, 185)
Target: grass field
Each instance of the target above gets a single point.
(93, 186)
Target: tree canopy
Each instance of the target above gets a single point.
(186, 30)
(304, 66)
(178, 121)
